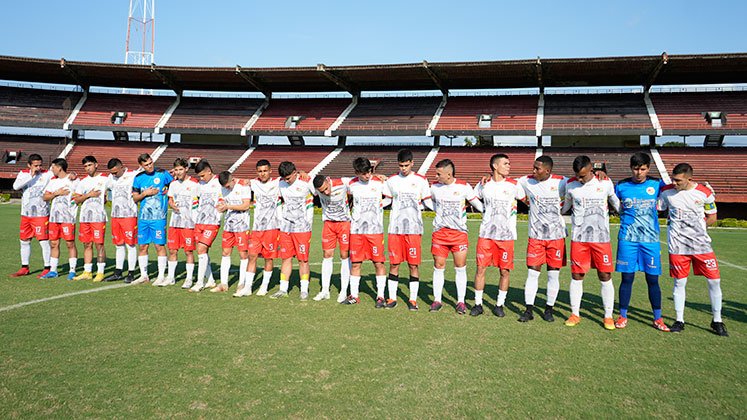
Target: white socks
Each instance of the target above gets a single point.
(305, 286)
(225, 268)
(414, 289)
(202, 266)
(88, 267)
(355, 282)
(461, 283)
(53, 262)
(608, 297)
(678, 295)
(190, 271)
(119, 257)
(393, 286)
(344, 276)
(100, 267)
(162, 262)
(553, 286)
(531, 286)
(284, 285)
(143, 261)
(25, 252)
(73, 263)
(714, 291)
(438, 284)
(172, 269)
(266, 277)
(131, 258)
(242, 271)
(576, 291)
(478, 297)
(248, 280)
(46, 252)
(326, 274)
(501, 297)
(380, 286)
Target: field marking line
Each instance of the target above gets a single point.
(62, 296)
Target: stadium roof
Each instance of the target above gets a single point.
(537, 73)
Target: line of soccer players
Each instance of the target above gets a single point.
(352, 212)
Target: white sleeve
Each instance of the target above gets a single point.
(22, 179)
(567, 202)
(612, 197)
(520, 193)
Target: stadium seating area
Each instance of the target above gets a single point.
(316, 115)
(305, 158)
(616, 159)
(682, 113)
(596, 113)
(21, 107)
(384, 160)
(48, 147)
(217, 115)
(725, 169)
(221, 157)
(378, 116)
(474, 163)
(143, 111)
(127, 152)
(510, 115)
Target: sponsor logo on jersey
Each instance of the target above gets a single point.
(650, 190)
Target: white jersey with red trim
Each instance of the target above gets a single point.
(545, 200)
(92, 210)
(237, 220)
(590, 220)
(297, 210)
(450, 204)
(62, 209)
(186, 197)
(335, 206)
(121, 194)
(32, 201)
(367, 217)
(266, 204)
(500, 199)
(408, 192)
(210, 195)
(686, 211)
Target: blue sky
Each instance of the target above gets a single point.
(304, 33)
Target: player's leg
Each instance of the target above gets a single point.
(650, 264)
(397, 245)
(119, 250)
(459, 256)
(555, 261)
(580, 265)
(504, 260)
(202, 264)
(302, 243)
(327, 266)
(601, 255)
(72, 253)
(679, 268)
(413, 264)
(536, 257)
(144, 236)
(227, 244)
(26, 232)
(54, 249)
(41, 232)
(707, 265)
(344, 262)
(439, 266)
(190, 266)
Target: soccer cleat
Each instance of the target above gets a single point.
(71, 275)
(262, 291)
(168, 282)
(187, 284)
(351, 300)
(23, 271)
(380, 303)
(609, 324)
(129, 279)
(114, 277)
(677, 327)
(197, 287)
(573, 320)
(391, 303)
(50, 275)
(341, 298)
(476, 310)
(210, 284)
(159, 281)
(526, 316)
(99, 278)
(304, 296)
(42, 274)
(461, 308)
(279, 294)
(548, 315)
(498, 311)
(436, 306)
(321, 296)
(621, 322)
(142, 280)
(719, 329)
(86, 275)
(243, 292)
(219, 288)
(660, 325)
(412, 305)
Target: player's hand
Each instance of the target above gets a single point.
(150, 191)
(72, 176)
(601, 175)
(221, 206)
(484, 180)
(380, 177)
(62, 191)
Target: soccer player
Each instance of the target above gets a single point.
(90, 195)
(691, 207)
(409, 190)
(34, 213)
(495, 244)
(124, 220)
(333, 195)
(149, 189)
(207, 222)
(590, 199)
(183, 201)
(62, 213)
(638, 246)
(370, 196)
(296, 217)
(449, 196)
(237, 198)
(544, 195)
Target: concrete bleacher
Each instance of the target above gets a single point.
(381, 116)
(515, 115)
(384, 158)
(22, 107)
(221, 157)
(596, 114)
(317, 115)
(472, 163)
(724, 168)
(104, 150)
(143, 111)
(216, 115)
(683, 113)
(47, 147)
(616, 159)
(305, 158)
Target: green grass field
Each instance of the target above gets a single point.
(141, 351)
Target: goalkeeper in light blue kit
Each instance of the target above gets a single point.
(638, 247)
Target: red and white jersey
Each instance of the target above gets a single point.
(297, 210)
(407, 194)
(499, 198)
(545, 201)
(266, 204)
(590, 220)
(335, 206)
(32, 201)
(235, 220)
(450, 204)
(186, 197)
(686, 210)
(210, 194)
(92, 210)
(62, 209)
(121, 194)
(367, 217)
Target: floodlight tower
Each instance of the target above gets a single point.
(141, 32)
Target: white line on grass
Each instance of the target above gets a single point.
(64, 295)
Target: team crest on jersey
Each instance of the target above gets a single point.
(553, 188)
(698, 202)
(455, 193)
(628, 203)
(599, 189)
(650, 190)
(156, 181)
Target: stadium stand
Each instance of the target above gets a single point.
(596, 114)
(684, 113)
(380, 116)
(22, 107)
(104, 150)
(384, 159)
(515, 115)
(472, 163)
(316, 115)
(305, 158)
(143, 111)
(221, 157)
(725, 169)
(16, 151)
(214, 115)
(617, 160)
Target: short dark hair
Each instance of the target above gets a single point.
(580, 163)
(224, 177)
(444, 163)
(202, 165)
(640, 159)
(263, 162)
(362, 165)
(319, 181)
(89, 158)
(545, 161)
(404, 155)
(143, 157)
(683, 168)
(286, 168)
(181, 162)
(494, 159)
(34, 157)
(62, 163)
(113, 163)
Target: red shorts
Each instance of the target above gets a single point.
(495, 253)
(367, 247)
(449, 240)
(181, 238)
(34, 227)
(64, 231)
(124, 230)
(264, 243)
(334, 233)
(92, 232)
(550, 252)
(294, 245)
(206, 234)
(404, 248)
(588, 255)
(239, 240)
(703, 265)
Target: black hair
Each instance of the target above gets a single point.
(89, 158)
(224, 177)
(202, 165)
(404, 155)
(447, 163)
(34, 157)
(545, 161)
(494, 159)
(143, 157)
(113, 163)
(62, 163)
(580, 163)
(683, 168)
(319, 181)
(263, 162)
(181, 162)
(640, 159)
(286, 168)
(362, 165)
